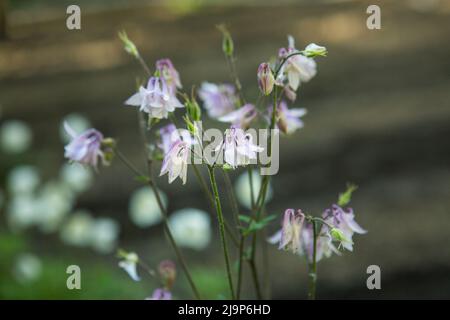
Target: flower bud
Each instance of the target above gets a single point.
(314, 50)
(129, 46)
(266, 80)
(193, 110)
(227, 42)
(167, 272)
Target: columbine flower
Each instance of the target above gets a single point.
(169, 73)
(167, 137)
(160, 294)
(84, 148)
(288, 120)
(313, 50)
(129, 264)
(176, 161)
(238, 147)
(242, 117)
(289, 235)
(266, 81)
(158, 99)
(297, 68)
(344, 222)
(218, 100)
(324, 246)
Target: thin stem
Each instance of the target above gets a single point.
(126, 162)
(163, 211)
(144, 65)
(210, 198)
(221, 227)
(170, 236)
(235, 210)
(312, 268)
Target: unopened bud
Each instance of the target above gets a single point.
(129, 46)
(167, 272)
(314, 50)
(266, 80)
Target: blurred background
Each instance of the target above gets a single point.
(378, 116)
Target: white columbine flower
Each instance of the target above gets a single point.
(297, 68)
(238, 147)
(242, 117)
(191, 228)
(218, 100)
(143, 207)
(176, 160)
(158, 99)
(288, 120)
(77, 122)
(129, 264)
(15, 136)
(84, 148)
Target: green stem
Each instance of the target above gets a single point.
(210, 198)
(313, 266)
(221, 228)
(235, 210)
(163, 210)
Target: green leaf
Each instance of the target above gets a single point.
(143, 179)
(246, 219)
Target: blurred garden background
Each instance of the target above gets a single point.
(378, 116)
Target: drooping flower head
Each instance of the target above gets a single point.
(160, 294)
(324, 245)
(238, 147)
(266, 81)
(344, 224)
(167, 137)
(289, 235)
(158, 99)
(242, 117)
(176, 160)
(129, 264)
(169, 73)
(84, 148)
(288, 120)
(218, 100)
(297, 68)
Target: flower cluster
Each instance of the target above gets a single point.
(297, 235)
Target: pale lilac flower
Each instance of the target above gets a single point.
(158, 99)
(238, 147)
(289, 235)
(168, 137)
(176, 160)
(266, 81)
(345, 222)
(129, 264)
(84, 148)
(242, 117)
(169, 73)
(289, 93)
(324, 245)
(160, 294)
(297, 68)
(169, 134)
(218, 100)
(288, 120)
